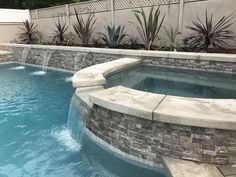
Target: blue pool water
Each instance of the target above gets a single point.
(34, 138)
(177, 82)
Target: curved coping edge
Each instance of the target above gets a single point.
(95, 75)
(162, 54)
(199, 112)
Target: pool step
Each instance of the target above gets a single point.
(184, 168)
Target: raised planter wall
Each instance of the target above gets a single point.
(65, 57)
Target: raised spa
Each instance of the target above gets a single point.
(176, 82)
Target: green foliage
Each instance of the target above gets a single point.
(171, 39)
(209, 34)
(97, 42)
(84, 29)
(114, 37)
(58, 36)
(148, 27)
(29, 33)
(70, 39)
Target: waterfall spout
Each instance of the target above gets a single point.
(24, 55)
(80, 61)
(75, 121)
(46, 57)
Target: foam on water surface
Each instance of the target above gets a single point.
(62, 135)
(38, 73)
(68, 79)
(18, 68)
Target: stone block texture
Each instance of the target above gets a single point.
(74, 61)
(150, 140)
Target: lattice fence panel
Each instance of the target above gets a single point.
(58, 11)
(91, 7)
(127, 4)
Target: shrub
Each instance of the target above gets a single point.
(58, 36)
(171, 39)
(84, 28)
(114, 37)
(29, 33)
(148, 27)
(209, 34)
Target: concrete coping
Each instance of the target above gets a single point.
(95, 75)
(184, 168)
(208, 113)
(3, 53)
(136, 53)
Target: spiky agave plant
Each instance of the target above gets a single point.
(149, 26)
(29, 33)
(171, 38)
(209, 34)
(59, 33)
(114, 37)
(84, 28)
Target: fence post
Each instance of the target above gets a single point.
(181, 14)
(68, 16)
(112, 13)
(36, 13)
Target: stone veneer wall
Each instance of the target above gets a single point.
(203, 65)
(150, 140)
(6, 58)
(65, 59)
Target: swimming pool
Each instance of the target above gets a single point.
(34, 138)
(177, 82)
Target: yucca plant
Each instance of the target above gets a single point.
(115, 36)
(28, 34)
(149, 26)
(209, 34)
(58, 36)
(171, 41)
(84, 28)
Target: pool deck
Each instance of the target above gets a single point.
(192, 169)
(184, 168)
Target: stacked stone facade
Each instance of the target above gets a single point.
(150, 140)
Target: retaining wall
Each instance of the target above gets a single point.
(65, 57)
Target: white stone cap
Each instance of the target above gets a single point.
(95, 75)
(184, 168)
(127, 101)
(136, 53)
(208, 113)
(2, 53)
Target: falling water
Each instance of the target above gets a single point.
(46, 57)
(24, 55)
(75, 122)
(22, 60)
(81, 59)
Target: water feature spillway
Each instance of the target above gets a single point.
(24, 55)
(75, 121)
(46, 57)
